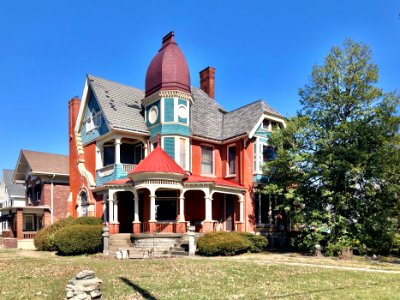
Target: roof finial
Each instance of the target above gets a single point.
(158, 140)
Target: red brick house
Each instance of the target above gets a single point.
(41, 181)
(160, 159)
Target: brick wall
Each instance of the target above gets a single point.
(60, 199)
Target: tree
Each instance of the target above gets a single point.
(338, 166)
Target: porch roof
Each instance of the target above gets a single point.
(122, 181)
(158, 161)
(215, 180)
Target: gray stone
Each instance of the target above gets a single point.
(96, 294)
(85, 274)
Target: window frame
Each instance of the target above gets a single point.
(25, 222)
(212, 148)
(228, 160)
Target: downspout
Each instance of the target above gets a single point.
(52, 199)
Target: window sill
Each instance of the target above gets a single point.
(230, 176)
(208, 175)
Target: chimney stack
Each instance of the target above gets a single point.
(207, 80)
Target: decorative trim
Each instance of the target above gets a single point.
(167, 94)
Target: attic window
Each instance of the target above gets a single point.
(93, 122)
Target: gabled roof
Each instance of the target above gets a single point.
(243, 119)
(121, 104)
(14, 189)
(158, 161)
(41, 163)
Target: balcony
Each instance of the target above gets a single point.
(113, 172)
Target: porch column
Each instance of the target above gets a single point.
(269, 211)
(104, 202)
(208, 201)
(259, 209)
(117, 150)
(136, 207)
(241, 209)
(181, 208)
(152, 206)
(115, 210)
(111, 210)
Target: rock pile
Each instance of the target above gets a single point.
(84, 286)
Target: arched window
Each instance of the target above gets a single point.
(84, 204)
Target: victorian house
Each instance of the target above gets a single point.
(170, 156)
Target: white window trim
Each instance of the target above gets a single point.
(259, 155)
(33, 222)
(229, 175)
(178, 151)
(213, 160)
(94, 122)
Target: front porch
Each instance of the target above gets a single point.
(166, 206)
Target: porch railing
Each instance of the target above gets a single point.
(165, 227)
(128, 167)
(29, 234)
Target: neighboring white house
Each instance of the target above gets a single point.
(12, 194)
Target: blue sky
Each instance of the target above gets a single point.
(260, 49)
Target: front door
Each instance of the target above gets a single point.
(125, 211)
(229, 209)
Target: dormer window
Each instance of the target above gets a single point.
(266, 124)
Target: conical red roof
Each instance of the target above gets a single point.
(168, 70)
(158, 161)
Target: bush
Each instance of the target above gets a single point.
(79, 239)
(258, 242)
(86, 221)
(44, 238)
(222, 243)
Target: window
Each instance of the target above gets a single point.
(182, 153)
(232, 160)
(153, 114)
(127, 153)
(84, 204)
(166, 205)
(93, 121)
(207, 160)
(269, 153)
(108, 154)
(29, 223)
(139, 153)
(265, 124)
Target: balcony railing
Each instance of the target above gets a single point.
(29, 234)
(128, 167)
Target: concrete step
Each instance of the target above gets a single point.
(179, 253)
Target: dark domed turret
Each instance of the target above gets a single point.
(168, 70)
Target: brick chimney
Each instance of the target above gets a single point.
(207, 81)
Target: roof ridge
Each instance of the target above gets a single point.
(113, 81)
(252, 103)
(34, 151)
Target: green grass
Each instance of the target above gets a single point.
(41, 275)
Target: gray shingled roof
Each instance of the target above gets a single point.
(243, 120)
(207, 115)
(14, 189)
(120, 103)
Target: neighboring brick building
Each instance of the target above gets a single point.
(41, 181)
(160, 159)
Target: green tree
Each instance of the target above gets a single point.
(338, 166)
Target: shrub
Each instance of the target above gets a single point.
(79, 239)
(44, 238)
(258, 242)
(222, 243)
(86, 221)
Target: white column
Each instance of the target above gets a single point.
(152, 207)
(111, 210)
(115, 210)
(181, 208)
(117, 150)
(259, 209)
(208, 201)
(104, 208)
(241, 210)
(136, 207)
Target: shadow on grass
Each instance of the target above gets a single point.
(145, 294)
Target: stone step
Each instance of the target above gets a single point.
(179, 253)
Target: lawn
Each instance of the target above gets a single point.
(41, 275)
